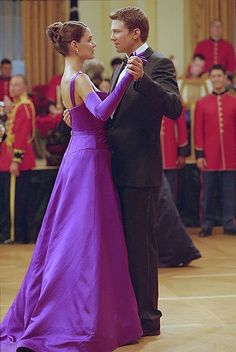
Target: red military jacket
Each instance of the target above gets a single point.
(52, 88)
(20, 132)
(4, 87)
(217, 52)
(173, 140)
(215, 131)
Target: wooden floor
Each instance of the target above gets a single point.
(198, 302)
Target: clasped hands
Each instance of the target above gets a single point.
(135, 67)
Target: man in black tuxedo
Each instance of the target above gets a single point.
(133, 134)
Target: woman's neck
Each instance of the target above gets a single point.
(73, 64)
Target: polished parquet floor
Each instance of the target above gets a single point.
(198, 302)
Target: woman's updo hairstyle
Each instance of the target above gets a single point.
(62, 34)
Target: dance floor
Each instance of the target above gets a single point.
(198, 302)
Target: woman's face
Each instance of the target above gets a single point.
(86, 46)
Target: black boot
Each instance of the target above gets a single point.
(24, 349)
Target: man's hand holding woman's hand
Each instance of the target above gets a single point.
(66, 117)
(135, 67)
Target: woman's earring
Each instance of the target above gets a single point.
(77, 50)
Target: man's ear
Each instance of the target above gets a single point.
(136, 33)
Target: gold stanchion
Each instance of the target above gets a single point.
(12, 206)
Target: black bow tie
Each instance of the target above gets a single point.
(125, 60)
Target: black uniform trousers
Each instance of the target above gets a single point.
(21, 206)
(4, 206)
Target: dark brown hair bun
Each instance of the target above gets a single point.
(62, 34)
(53, 32)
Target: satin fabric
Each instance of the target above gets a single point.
(77, 294)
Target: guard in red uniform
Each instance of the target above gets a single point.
(217, 50)
(6, 68)
(16, 162)
(215, 144)
(174, 145)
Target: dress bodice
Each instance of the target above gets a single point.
(82, 119)
(87, 131)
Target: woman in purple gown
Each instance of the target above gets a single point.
(77, 295)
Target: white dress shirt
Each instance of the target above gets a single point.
(140, 50)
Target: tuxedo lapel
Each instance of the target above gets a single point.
(115, 76)
(147, 53)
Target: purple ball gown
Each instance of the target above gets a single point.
(77, 295)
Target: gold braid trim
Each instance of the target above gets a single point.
(24, 99)
(33, 119)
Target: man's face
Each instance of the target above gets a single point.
(216, 29)
(218, 79)
(197, 67)
(17, 87)
(122, 37)
(6, 70)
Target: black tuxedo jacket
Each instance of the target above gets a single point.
(134, 132)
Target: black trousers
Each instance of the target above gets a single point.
(139, 210)
(21, 206)
(4, 206)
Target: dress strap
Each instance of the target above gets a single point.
(72, 88)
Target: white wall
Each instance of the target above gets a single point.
(166, 26)
(170, 30)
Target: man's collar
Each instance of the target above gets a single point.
(221, 93)
(21, 98)
(215, 40)
(5, 78)
(139, 50)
